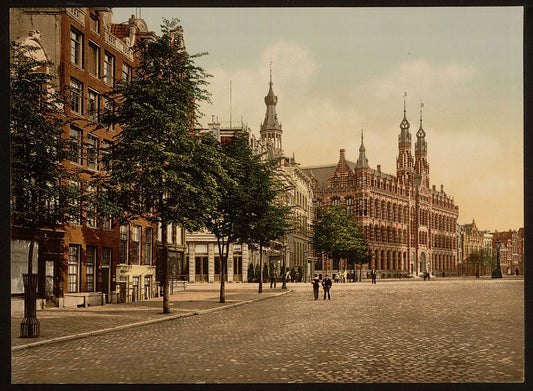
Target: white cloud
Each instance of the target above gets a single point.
(419, 78)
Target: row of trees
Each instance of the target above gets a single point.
(157, 168)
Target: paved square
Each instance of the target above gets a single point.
(445, 331)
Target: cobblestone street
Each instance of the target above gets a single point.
(438, 331)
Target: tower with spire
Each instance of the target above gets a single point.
(362, 161)
(271, 128)
(421, 172)
(404, 162)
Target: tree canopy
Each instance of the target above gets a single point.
(41, 191)
(158, 168)
(339, 236)
(247, 213)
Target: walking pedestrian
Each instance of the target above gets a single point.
(326, 284)
(273, 278)
(315, 283)
(373, 275)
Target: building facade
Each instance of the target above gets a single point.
(511, 251)
(410, 226)
(89, 259)
(295, 246)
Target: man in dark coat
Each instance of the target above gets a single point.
(315, 283)
(273, 277)
(326, 284)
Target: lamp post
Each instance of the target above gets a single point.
(497, 273)
(284, 275)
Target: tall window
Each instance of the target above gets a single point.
(92, 152)
(137, 244)
(109, 68)
(108, 111)
(90, 262)
(105, 150)
(91, 209)
(73, 265)
(349, 206)
(75, 216)
(126, 73)
(93, 105)
(107, 256)
(94, 24)
(94, 59)
(76, 94)
(76, 45)
(335, 202)
(148, 249)
(237, 264)
(123, 244)
(75, 145)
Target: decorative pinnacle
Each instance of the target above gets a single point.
(271, 71)
(421, 106)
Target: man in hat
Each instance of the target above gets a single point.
(326, 284)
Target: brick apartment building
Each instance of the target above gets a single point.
(89, 260)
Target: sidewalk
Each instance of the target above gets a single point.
(60, 324)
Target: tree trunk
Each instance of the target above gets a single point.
(260, 269)
(30, 326)
(360, 271)
(164, 265)
(222, 283)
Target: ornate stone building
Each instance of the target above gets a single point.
(410, 226)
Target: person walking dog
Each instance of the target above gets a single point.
(326, 284)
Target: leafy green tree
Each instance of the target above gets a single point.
(41, 191)
(268, 218)
(159, 170)
(339, 237)
(247, 212)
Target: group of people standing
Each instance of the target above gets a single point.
(326, 285)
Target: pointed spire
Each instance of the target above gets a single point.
(270, 71)
(421, 132)
(404, 124)
(362, 161)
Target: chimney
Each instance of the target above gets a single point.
(442, 188)
(379, 168)
(433, 187)
(342, 155)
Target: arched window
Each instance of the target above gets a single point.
(349, 206)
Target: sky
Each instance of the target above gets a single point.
(340, 71)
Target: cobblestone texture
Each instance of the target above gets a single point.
(439, 331)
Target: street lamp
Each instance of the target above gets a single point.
(497, 273)
(284, 275)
